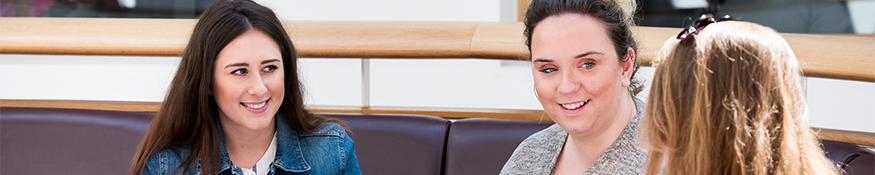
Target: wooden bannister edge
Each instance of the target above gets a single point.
(855, 137)
(825, 56)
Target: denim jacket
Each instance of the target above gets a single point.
(297, 153)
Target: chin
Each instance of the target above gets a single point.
(576, 127)
(259, 125)
(573, 124)
(260, 121)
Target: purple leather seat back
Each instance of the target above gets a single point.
(69, 141)
(853, 159)
(482, 145)
(389, 144)
(75, 141)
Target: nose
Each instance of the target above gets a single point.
(569, 83)
(257, 87)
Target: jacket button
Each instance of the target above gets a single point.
(248, 172)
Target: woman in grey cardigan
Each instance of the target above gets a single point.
(583, 65)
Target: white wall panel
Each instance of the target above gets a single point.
(331, 81)
(109, 78)
(841, 104)
(468, 83)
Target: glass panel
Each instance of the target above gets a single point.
(331, 81)
(455, 83)
(69, 77)
(788, 16)
(104, 8)
(841, 104)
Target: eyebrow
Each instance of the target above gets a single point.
(269, 61)
(542, 60)
(247, 64)
(588, 53)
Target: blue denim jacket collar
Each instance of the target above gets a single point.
(289, 156)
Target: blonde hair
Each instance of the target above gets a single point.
(730, 102)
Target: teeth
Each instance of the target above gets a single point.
(255, 106)
(574, 105)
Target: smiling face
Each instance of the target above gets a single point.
(248, 82)
(578, 76)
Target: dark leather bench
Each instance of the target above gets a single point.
(853, 159)
(398, 144)
(483, 145)
(74, 141)
(69, 141)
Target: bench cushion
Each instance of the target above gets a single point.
(76, 141)
(482, 145)
(854, 159)
(390, 144)
(69, 141)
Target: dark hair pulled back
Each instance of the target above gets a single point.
(616, 18)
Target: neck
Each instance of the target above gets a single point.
(245, 147)
(591, 145)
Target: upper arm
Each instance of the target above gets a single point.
(153, 164)
(350, 162)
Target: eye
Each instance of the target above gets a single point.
(269, 69)
(588, 65)
(548, 70)
(239, 72)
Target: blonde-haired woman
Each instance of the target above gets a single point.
(727, 98)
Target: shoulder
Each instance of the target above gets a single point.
(546, 134)
(543, 140)
(327, 134)
(166, 161)
(331, 129)
(328, 150)
(537, 153)
(639, 104)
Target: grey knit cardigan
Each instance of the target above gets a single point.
(538, 153)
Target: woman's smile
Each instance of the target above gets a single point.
(574, 105)
(257, 107)
(573, 108)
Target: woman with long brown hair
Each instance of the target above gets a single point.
(235, 105)
(727, 98)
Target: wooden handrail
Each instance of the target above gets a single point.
(855, 137)
(826, 56)
(837, 57)
(453, 113)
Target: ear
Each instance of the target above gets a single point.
(628, 67)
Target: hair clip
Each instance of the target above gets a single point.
(700, 24)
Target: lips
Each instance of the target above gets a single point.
(573, 106)
(257, 107)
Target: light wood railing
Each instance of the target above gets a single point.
(826, 56)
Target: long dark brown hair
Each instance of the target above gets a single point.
(189, 114)
(615, 15)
